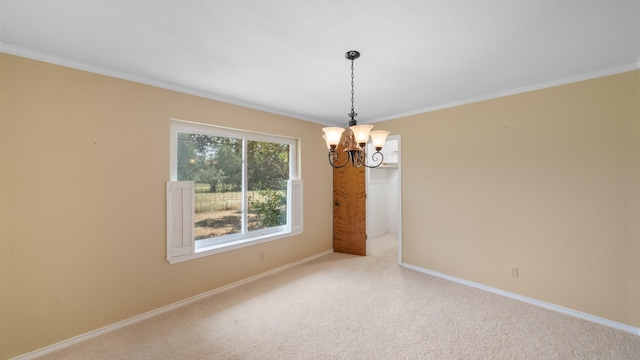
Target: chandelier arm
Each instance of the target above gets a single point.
(356, 157)
(333, 157)
(362, 157)
(374, 157)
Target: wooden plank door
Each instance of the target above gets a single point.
(349, 206)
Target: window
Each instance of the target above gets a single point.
(229, 189)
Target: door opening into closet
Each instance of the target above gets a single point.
(383, 205)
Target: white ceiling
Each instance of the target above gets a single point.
(287, 56)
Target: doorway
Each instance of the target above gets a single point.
(383, 188)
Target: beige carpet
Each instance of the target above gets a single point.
(348, 307)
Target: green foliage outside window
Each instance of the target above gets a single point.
(270, 207)
(214, 163)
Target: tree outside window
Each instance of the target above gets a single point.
(214, 164)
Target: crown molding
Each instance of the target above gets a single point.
(56, 60)
(48, 58)
(520, 90)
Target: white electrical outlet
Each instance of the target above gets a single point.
(514, 271)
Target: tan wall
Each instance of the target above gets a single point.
(84, 161)
(633, 254)
(5, 215)
(547, 181)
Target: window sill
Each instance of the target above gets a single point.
(233, 245)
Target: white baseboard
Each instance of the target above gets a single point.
(560, 309)
(91, 334)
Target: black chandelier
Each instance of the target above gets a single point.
(356, 140)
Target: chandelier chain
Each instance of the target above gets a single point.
(354, 142)
(353, 114)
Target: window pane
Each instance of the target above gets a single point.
(267, 175)
(215, 165)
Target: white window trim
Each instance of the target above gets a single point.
(198, 128)
(202, 248)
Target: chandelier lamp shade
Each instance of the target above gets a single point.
(357, 137)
